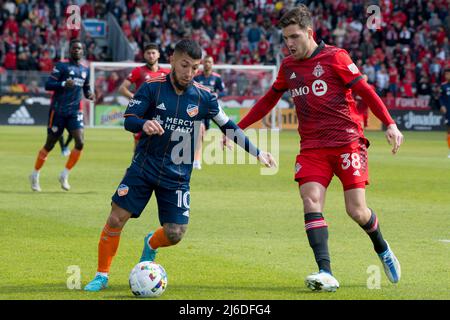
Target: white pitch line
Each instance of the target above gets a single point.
(444, 240)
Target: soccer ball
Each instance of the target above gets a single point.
(148, 280)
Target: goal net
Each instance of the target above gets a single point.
(244, 85)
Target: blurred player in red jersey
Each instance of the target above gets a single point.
(142, 74)
(320, 79)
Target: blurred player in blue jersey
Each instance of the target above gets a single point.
(68, 81)
(213, 81)
(168, 110)
(445, 103)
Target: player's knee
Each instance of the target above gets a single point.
(79, 145)
(311, 203)
(117, 219)
(358, 213)
(174, 232)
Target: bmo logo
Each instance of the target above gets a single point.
(319, 87)
(302, 91)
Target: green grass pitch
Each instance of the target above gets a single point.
(246, 237)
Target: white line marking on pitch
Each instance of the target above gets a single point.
(444, 240)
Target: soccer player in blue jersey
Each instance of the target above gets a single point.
(167, 109)
(68, 81)
(445, 103)
(213, 81)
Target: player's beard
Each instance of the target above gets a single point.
(150, 64)
(177, 83)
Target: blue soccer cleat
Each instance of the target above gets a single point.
(148, 254)
(100, 282)
(391, 265)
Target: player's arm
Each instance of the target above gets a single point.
(136, 109)
(267, 102)
(353, 79)
(233, 132)
(87, 88)
(220, 87)
(124, 89)
(55, 80)
(443, 101)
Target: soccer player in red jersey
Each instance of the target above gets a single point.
(139, 75)
(320, 79)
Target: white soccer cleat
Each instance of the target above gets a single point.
(64, 180)
(34, 179)
(197, 165)
(391, 265)
(65, 152)
(321, 281)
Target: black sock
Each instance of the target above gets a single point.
(373, 230)
(69, 139)
(61, 142)
(317, 231)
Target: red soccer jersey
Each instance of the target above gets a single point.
(320, 87)
(139, 75)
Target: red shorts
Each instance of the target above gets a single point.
(349, 163)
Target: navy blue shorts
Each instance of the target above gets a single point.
(135, 191)
(57, 122)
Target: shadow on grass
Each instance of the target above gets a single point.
(60, 291)
(48, 192)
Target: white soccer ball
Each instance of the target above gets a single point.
(148, 280)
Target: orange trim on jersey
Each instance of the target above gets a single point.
(50, 121)
(200, 86)
(131, 115)
(216, 74)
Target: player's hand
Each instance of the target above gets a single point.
(69, 83)
(152, 127)
(443, 110)
(91, 97)
(394, 137)
(226, 143)
(267, 159)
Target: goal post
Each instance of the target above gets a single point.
(244, 85)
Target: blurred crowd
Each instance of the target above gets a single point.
(404, 57)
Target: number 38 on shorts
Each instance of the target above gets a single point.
(349, 163)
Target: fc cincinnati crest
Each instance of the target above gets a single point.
(122, 190)
(192, 110)
(318, 70)
(83, 74)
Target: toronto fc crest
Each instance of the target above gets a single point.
(318, 70)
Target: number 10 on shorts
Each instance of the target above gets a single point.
(183, 198)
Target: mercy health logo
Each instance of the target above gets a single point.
(318, 87)
(21, 116)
